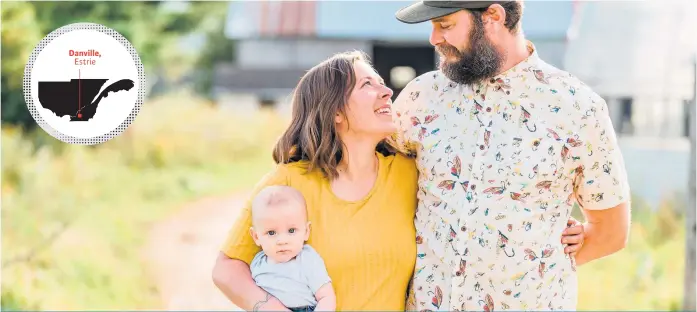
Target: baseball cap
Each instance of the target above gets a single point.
(427, 10)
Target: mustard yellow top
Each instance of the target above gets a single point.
(368, 246)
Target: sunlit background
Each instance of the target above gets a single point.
(134, 223)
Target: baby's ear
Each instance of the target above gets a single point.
(254, 235)
(307, 230)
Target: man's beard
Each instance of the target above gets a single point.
(480, 61)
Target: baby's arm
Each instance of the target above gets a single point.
(326, 299)
(318, 280)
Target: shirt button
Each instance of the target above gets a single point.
(481, 147)
(492, 80)
(488, 109)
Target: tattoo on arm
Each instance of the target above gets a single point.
(261, 302)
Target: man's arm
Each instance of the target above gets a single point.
(606, 232)
(234, 280)
(326, 298)
(601, 187)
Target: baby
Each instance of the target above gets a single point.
(287, 268)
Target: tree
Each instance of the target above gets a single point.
(19, 35)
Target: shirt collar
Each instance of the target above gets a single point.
(514, 71)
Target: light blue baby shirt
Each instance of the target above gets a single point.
(295, 282)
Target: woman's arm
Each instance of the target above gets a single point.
(234, 280)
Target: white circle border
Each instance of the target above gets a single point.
(32, 106)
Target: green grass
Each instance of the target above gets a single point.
(647, 274)
(111, 195)
(181, 149)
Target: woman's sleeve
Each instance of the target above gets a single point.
(239, 243)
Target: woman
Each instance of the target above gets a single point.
(361, 197)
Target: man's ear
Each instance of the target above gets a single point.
(495, 14)
(254, 235)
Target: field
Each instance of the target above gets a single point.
(75, 218)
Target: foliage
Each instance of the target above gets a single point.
(152, 30)
(19, 35)
(648, 273)
(75, 217)
(218, 50)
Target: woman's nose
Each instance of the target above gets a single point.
(387, 92)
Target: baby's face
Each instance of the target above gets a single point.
(281, 231)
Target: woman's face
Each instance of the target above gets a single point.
(369, 111)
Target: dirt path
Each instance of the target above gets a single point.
(181, 250)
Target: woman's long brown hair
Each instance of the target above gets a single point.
(312, 136)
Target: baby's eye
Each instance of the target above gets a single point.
(271, 233)
(291, 231)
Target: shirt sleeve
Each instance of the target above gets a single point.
(314, 268)
(402, 110)
(600, 178)
(239, 243)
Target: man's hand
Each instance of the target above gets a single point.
(573, 237)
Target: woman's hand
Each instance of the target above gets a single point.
(573, 237)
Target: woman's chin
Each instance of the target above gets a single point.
(387, 131)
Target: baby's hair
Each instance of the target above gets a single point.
(276, 196)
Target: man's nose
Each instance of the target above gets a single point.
(436, 37)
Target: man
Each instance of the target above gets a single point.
(506, 146)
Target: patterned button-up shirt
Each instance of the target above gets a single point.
(501, 166)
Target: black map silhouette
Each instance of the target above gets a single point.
(76, 98)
